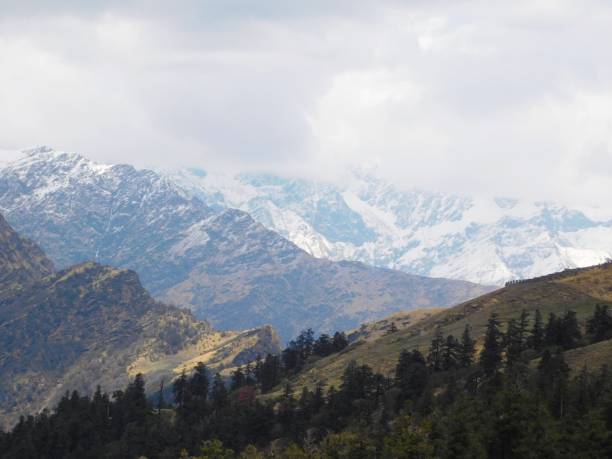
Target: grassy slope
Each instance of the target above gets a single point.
(593, 356)
(579, 290)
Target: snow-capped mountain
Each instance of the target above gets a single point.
(222, 264)
(488, 241)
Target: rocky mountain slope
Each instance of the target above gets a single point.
(91, 325)
(21, 261)
(483, 240)
(221, 264)
(579, 290)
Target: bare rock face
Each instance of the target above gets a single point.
(91, 325)
(221, 264)
(21, 261)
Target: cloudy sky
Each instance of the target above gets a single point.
(507, 98)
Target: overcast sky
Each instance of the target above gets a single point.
(503, 97)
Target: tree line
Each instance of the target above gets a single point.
(515, 398)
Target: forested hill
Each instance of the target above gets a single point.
(579, 290)
(487, 379)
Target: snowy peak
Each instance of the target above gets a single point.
(484, 240)
(216, 260)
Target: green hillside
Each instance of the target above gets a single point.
(578, 290)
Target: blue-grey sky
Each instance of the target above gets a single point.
(511, 98)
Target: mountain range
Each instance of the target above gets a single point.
(365, 218)
(90, 325)
(219, 262)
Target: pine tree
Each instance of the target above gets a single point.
(161, 402)
(569, 333)
(467, 348)
(450, 353)
(491, 354)
(552, 380)
(411, 375)
(135, 399)
(599, 327)
(340, 341)
(523, 324)
(179, 387)
(270, 373)
(219, 393)
(286, 410)
(513, 341)
(434, 357)
(552, 334)
(257, 369)
(197, 388)
(238, 379)
(536, 339)
(323, 346)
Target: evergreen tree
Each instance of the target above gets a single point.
(552, 381)
(135, 399)
(408, 440)
(340, 341)
(523, 324)
(238, 379)
(463, 430)
(323, 346)
(450, 353)
(569, 333)
(286, 411)
(197, 388)
(491, 354)
(467, 348)
(536, 339)
(553, 332)
(219, 393)
(513, 342)
(179, 388)
(411, 375)
(270, 373)
(304, 343)
(599, 327)
(520, 427)
(434, 357)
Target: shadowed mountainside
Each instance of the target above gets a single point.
(92, 325)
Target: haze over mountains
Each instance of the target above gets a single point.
(488, 241)
(222, 264)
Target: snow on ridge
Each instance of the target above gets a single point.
(482, 239)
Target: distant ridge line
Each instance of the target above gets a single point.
(557, 275)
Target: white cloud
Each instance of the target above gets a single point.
(507, 98)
